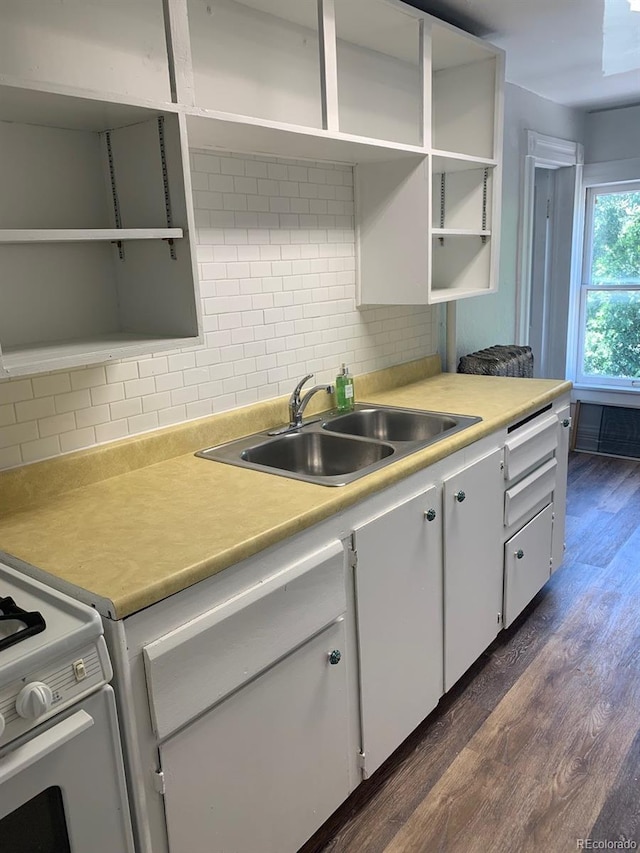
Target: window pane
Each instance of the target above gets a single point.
(612, 334)
(616, 238)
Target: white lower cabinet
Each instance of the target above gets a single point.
(527, 563)
(560, 492)
(265, 768)
(398, 580)
(253, 702)
(472, 509)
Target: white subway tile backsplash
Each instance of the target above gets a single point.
(143, 423)
(74, 400)
(77, 439)
(90, 417)
(14, 391)
(139, 387)
(7, 414)
(31, 410)
(126, 408)
(42, 448)
(276, 258)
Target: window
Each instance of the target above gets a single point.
(609, 333)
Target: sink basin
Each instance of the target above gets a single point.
(392, 424)
(317, 454)
(337, 449)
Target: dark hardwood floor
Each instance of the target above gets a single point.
(538, 745)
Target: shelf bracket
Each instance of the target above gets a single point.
(114, 192)
(443, 194)
(165, 185)
(485, 180)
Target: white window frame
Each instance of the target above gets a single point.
(615, 176)
(587, 286)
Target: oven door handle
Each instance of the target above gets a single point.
(25, 756)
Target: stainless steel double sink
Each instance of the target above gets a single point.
(335, 449)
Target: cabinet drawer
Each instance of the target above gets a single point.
(527, 563)
(534, 488)
(193, 667)
(529, 447)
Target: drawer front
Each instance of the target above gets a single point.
(198, 664)
(533, 489)
(527, 563)
(529, 447)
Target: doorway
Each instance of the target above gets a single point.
(552, 175)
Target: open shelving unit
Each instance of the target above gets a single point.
(96, 221)
(431, 229)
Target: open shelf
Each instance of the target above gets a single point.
(450, 161)
(459, 232)
(380, 86)
(94, 232)
(230, 132)
(78, 235)
(24, 360)
(109, 47)
(460, 267)
(258, 58)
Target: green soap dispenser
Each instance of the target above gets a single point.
(345, 397)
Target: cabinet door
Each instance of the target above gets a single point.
(560, 491)
(527, 563)
(472, 505)
(265, 768)
(399, 609)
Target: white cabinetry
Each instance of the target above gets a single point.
(526, 563)
(244, 727)
(535, 471)
(262, 770)
(96, 211)
(250, 710)
(398, 580)
(430, 225)
(473, 575)
(560, 492)
(96, 226)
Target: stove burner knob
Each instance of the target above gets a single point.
(34, 700)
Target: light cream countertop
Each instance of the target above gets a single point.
(136, 537)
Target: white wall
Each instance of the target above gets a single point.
(488, 320)
(276, 259)
(612, 135)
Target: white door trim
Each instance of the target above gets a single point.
(545, 152)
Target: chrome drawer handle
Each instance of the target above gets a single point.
(430, 514)
(519, 554)
(460, 496)
(335, 657)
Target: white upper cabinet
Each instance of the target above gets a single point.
(257, 58)
(444, 245)
(379, 71)
(95, 217)
(107, 47)
(100, 102)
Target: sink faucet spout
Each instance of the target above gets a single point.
(298, 404)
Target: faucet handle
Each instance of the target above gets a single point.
(295, 396)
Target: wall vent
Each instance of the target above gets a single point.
(609, 430)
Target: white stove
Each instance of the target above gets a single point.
(62, 783)
(52, 654)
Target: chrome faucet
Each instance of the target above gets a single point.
(297, 405)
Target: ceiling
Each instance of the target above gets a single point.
(580, 53)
